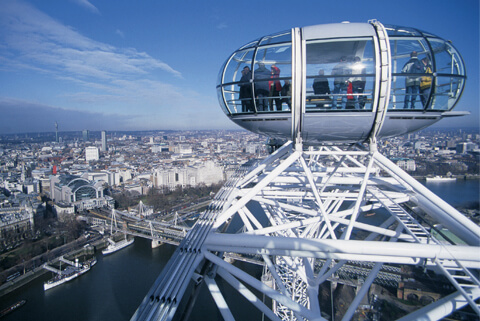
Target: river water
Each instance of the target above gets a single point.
(111, 290)
(115, 286)
(459, 193)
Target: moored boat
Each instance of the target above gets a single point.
(70, 273)
(441, 179)
(12, 308)
(116, 246)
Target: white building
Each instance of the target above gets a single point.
(79, 191)
(207, 173)
(253, 148)
(64, 210)
(91, 153)
(183, 149)
(109, 177)
(70, 189)
(406, 164)
(420, 145)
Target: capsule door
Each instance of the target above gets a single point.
(339, 85)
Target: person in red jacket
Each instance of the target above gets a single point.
(275, 88)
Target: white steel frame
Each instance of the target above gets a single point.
(313, 203)
(313, 211)
(311, 225)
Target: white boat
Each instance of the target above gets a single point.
(70, 273)
(441, 179)
(115, 246)
(92, 261)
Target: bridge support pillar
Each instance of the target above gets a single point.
(156, 243)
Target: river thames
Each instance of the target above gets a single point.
(115, 286)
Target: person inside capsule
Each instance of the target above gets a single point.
(360, 78)
(245, 94)
(261, 87)
(358, 82)
(287, 94)
(412, 82)
(340, 83)
(321, 89)
(275, 89)
(425, 82)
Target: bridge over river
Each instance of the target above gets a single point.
(171, 229)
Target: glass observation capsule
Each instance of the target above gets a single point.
(342, 83)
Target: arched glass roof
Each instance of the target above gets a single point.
(85, 193)
(77, 182)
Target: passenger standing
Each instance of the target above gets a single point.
(321, 89)
(246, 90)
(358, 82)
(340, 83)
(426, 81)
(275, 88)
(412, 82)
(261, 86)
(287, 93)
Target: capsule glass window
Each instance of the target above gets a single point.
(410, 59)
(401, 31)
(281, 37)
(222, 101)
(237, 79)
(447, 92)
(447, 59)
(340, 75)
(272, 74)
(450, 72)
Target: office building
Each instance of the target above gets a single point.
(91, 153)
(86, 135)
(104, 141)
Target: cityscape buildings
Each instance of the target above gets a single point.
(73, 173)
(37, 173)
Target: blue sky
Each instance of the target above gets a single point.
(153, 65)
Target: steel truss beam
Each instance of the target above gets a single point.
(308, 215)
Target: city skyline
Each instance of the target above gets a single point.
(91, 65)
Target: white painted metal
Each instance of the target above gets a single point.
(219, 299)
(290, 212)
(372, 251)
(385, 75)
(305, 216)
(297, 230)
(441, 308)
(297, 86)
